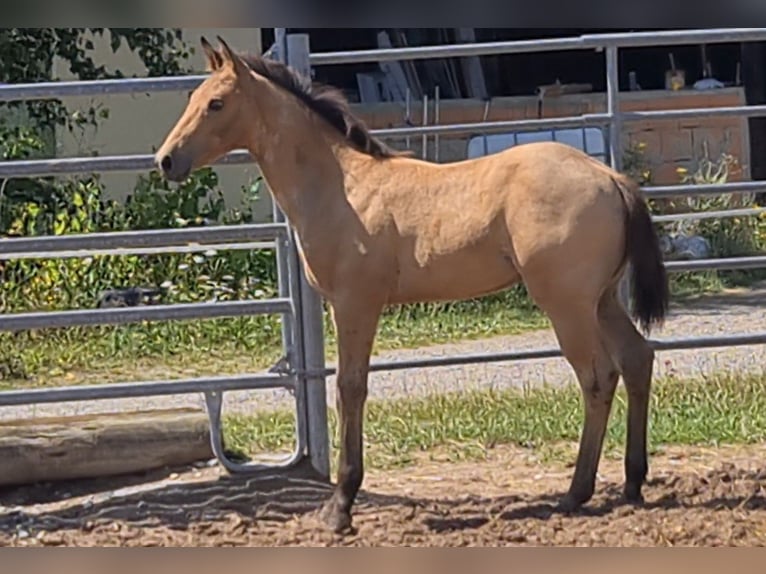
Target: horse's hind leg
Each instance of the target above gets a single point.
(579, 336)
(635, 360)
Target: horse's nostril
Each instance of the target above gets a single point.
(166, 163)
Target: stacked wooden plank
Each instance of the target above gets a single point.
(399, 81)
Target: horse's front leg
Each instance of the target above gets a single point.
(355, 323)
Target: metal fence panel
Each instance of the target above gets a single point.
(298, 304)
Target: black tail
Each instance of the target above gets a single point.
(650, 290)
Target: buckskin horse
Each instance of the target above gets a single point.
(377, 227)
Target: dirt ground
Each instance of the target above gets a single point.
(695, 496)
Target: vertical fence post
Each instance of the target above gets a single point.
(613, 107)
(312, 321)
(615, 146)
(288, 273)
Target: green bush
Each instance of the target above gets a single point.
(728, 236)
(38, 284)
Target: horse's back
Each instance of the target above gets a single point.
(473, 227)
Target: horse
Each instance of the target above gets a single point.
(378, 227)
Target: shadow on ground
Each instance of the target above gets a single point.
(278, 500)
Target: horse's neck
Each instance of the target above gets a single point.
(305, 175)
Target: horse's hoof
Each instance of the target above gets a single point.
(632, 494)
(572, 502)
(335, 519)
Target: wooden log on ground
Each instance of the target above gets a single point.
(101, 445)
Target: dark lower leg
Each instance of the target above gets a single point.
(597, 406)
(635, 358)
(337, 511)
(356, 324)
(636, 465)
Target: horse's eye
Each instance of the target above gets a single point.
(215, 105)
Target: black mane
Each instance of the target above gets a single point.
(326, 101)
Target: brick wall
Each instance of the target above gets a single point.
(669, 144)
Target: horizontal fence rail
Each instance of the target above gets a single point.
(584, 120)
(143, 238)
(74, 165)
(723, 264)
(615, 117)
(698, 215)
(119, 252)
(63, 89)
(118, 86)
(751, 111)
(244, 382)
(145, 389)
(122, 315)
(584, 42)
(683, 190)
(670, 344)
(142, 162)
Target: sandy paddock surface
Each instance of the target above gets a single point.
(695, 496)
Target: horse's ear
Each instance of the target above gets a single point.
(232, 59)
(214, 59)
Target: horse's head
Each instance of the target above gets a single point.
(216, 119)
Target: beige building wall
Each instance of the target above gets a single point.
(138, 123)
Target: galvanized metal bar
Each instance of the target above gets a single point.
(312, 321)
(214, 405)
(448, 51)
(728, 263)
(754, 111)
(675, 37)
(214, 399)
(63, 89)
(144, 389)
(665, 191)
(292, 334)
(583, 42)
(467, 359)
(142, 162)
(709, 342)
(72, 165)
(584, 120)
(123, 315)
(67, 166)
(114, 86)
(143, 238)
(173, 249)
(670, 344)
(613, 108)
(697, 215)
(76, 88)
(615, 149)
(288, 272)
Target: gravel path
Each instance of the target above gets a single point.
(736, 312)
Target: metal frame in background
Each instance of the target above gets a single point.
(299, 305)
(296, 304)
(613, 118)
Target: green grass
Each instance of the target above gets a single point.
(690, 285)
(225, 346)
(93, 355)
(722, 409)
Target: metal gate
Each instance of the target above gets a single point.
(613, 119)
(304, 369)
(298, 305)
